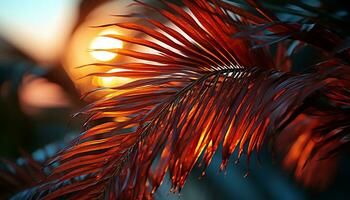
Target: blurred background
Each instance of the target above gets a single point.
(42, 45)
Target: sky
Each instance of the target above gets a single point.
(38, 27)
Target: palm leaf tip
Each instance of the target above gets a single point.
(183, 104)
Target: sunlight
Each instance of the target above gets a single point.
(112, 81)
(107, 43)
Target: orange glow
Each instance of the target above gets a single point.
(103, 42)
(38, 93)
(112, 81)
(296, 150)
(79, 50)
(121, 119)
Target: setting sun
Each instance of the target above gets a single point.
(102, 42)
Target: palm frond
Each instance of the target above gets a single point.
(202, 88)
(25, 173)
(312, 142)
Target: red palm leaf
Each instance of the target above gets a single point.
(203, 88)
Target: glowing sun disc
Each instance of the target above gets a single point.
(107, 43)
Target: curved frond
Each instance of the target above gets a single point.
(200, 87)
(236, 108)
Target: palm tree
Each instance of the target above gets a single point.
(220, 75)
